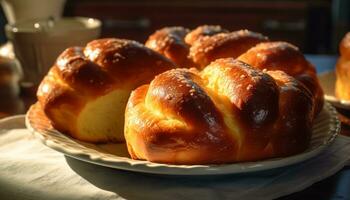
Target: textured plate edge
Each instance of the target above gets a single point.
(194, 170)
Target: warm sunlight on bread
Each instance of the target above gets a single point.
(229, 112)
(85, 92)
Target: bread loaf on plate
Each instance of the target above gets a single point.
(228, 112)
(85, 92)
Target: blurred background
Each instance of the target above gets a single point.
(315, 26)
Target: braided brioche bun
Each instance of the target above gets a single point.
(342, 84)
(205, 44)
(86, 91)
(228, 112)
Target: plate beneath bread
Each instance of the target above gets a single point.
(327, 81)
(325, 129)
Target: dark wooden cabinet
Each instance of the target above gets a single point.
(303, 23)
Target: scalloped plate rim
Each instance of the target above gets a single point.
(165, 169)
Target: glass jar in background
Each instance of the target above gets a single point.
(38, 43)
(24, 10)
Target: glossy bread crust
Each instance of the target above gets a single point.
(83, 74)
(223, 45)
(286, 57)
(202, 31)
(199, 47)
(228, 112)
(169, 41)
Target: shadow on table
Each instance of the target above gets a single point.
(134, 185)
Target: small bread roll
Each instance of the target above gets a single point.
(286, 57)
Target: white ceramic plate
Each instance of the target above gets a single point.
(325, 129)
(327, 81)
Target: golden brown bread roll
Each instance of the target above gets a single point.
(342, 84)
(202, 31)
(228, 112)
(223, 45)
(208, 43)
(169, 41)
(202, 45)
(86, 91)
(286, 57)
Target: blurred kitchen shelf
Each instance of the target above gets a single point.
(303, 23)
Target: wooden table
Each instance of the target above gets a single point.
(334, 187)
